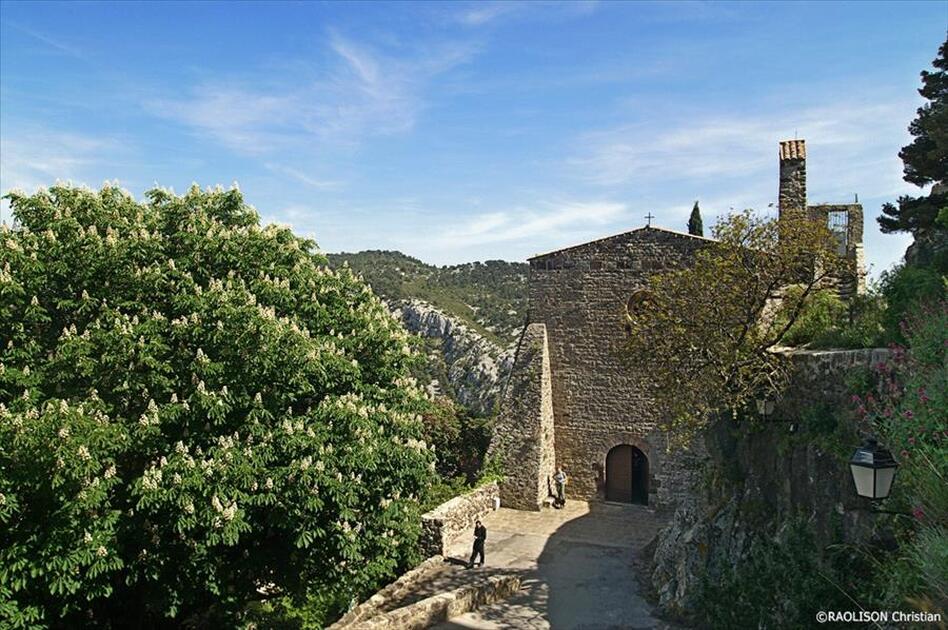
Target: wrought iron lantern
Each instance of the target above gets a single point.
(873, 470)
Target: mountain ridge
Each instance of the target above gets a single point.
(489, 296)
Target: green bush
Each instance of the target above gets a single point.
(781, 583)
(862, 326)
(828, 322)
(460, 439)
(195, 413)
(907, 410)
(905, 287)
(822, 312)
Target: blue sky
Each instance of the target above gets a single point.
(467, 131)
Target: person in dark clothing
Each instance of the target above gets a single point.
(480, 535)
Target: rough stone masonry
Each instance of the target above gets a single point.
(573, 401)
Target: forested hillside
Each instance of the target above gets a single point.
(489, 296)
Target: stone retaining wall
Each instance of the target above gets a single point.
(759, 478)
(442, 525)
(396, 590)
(444, 606)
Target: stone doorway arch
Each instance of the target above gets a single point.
(627, 475)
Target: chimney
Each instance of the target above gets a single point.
(792, 196)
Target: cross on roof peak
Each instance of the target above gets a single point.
(648, 219)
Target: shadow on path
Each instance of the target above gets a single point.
(585, 576)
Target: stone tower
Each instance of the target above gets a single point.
(792, 197)
(844, 220)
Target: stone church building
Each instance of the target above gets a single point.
(573, 401)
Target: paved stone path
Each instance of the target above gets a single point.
(578, 567)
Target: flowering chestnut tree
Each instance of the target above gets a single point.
(195, 413)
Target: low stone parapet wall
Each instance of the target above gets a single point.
(442, 525)
(394, 591)
(441, 607)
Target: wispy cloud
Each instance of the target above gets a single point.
(482, 13)
(38, 159)
(51, 43)
(846, 135)
(364, 92)
(31, 160)
(304, 178)
(546, 221)
(729, 161)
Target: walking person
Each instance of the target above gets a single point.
(480, 535)
(560, 478)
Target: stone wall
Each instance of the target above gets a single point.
(523, 437)
(580, 294)
(852, 278)
(758, 478)
(791, 198)
(437, 608)
(442, 525)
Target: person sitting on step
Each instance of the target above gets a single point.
(560, 479)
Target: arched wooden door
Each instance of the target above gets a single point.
(627, 475)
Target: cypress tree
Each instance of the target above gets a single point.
(695, 225)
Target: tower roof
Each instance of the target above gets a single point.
(793, 150)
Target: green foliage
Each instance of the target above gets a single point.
(907, 409)
(708, 325)
(827, 322)
(780, 583)
(193, 409)
(926, 158)
(460, 439)
(905, 288)
(489, 296)
(822, 312)
(695, 224)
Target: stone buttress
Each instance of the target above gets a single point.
(523, 433)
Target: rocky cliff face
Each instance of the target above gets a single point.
(755, 481)
(472, 367)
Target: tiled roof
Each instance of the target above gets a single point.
(793, 150)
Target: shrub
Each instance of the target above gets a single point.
(460, 439)
(780, 583)
(905, 287)
(195, 413)
(907, 409)
(822, 313)
(828, 322)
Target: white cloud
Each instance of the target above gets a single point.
(744, 146)
(729, 160)
(300, 176)
(484, 12)
(540, 225)
(41, 158)
(54, 44)
(364, 92)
